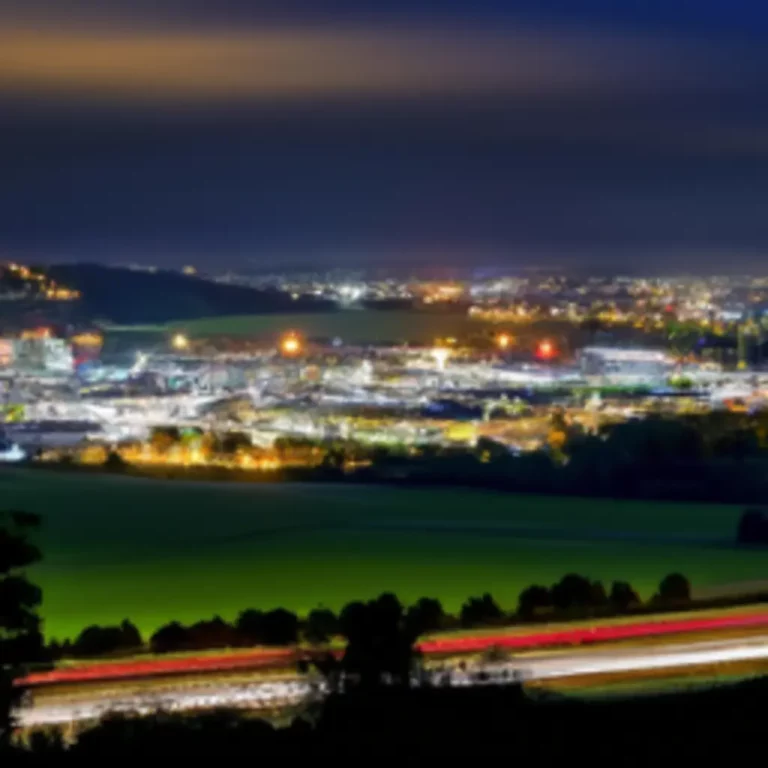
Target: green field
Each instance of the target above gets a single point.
(360, 326)
(159, 550)
(352, 326)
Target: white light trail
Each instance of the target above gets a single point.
(291, 692)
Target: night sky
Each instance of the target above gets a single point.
(553, 132)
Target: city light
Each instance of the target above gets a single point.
(503, 341)
(180, 341)
(546, 350)
(441, 355)
(290, 345)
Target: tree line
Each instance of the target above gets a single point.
(374, 706)
(714, 457)
(572, 597)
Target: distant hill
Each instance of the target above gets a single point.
(126, 296)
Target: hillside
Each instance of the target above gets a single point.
(126, 296)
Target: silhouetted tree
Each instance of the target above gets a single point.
(598, 596)
(738, 444)
(281, 627)
(169, 638)
(622, 596)
(674, 588)
(164, 438)
(321, 625)
(114, 462)
(426, 616)
(250, 626)
(20, 637)
(533, 600)
(478, 611)
(572, 591)
(97, 641)
(213, 633)
(753, 527)
(380, 644)
(232, 442)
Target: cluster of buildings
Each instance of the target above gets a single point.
(19, 282)
(61, 394)
(389, 396)
(533, 295)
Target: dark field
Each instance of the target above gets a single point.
(160, 550)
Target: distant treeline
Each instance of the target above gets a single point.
(719, 457)
(129, 297)
(573, 597)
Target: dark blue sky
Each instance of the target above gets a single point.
(349, 132)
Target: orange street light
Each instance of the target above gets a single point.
(503, 340)
(290, 345)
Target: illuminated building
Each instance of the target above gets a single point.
(643, 363)
(43, 354)
(6, 352)
(441, 355)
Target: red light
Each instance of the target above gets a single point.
(546, 350)
(596, 633)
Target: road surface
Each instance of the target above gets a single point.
(510, 640)
(294, 690)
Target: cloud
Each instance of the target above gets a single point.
(174, 66)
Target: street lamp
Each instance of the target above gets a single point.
(180, 341)
(290, 345)
(503, 340)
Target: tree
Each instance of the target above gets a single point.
(213, 633)
(250, 626)
(426, 616)
(114, 462)
(20, 637)
(169, 638)
(478, 611)
(164, 438)
(572, 591)
(534, 600)
(233, 442)
(97, 641)
(321, 625)
(280, 627)
(674, 588)
(753, 527)
(380, 643)
(622, 596)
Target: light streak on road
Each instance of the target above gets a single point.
(258, 695)
(545, 638)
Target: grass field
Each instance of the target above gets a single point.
(352, 326)
(158, 550)
(360, 326)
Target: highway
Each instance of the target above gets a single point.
(293, 690)
(508, 640)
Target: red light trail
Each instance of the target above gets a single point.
(264, 658)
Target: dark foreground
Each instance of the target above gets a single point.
(723, 726)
